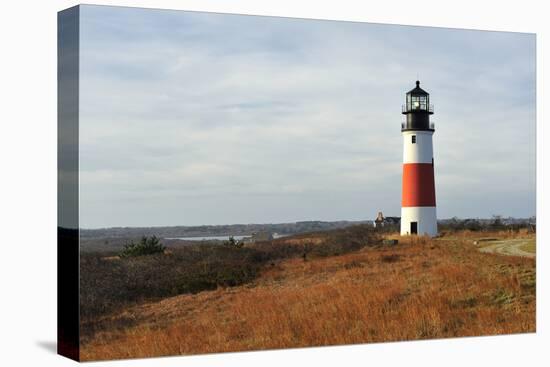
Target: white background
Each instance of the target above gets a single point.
(28, 183)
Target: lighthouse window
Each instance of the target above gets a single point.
(414, 139)
(423, 103)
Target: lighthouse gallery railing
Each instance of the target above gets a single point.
(421, 107)
(432, 125)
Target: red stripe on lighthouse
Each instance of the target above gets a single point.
(418, 184)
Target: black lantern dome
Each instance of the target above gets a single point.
(418, 109)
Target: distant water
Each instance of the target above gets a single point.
(221, 238)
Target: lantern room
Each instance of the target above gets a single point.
(418, 109)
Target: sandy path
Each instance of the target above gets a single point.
(507, 247)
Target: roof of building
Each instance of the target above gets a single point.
(417, 90)
(380, 219)
(392, 219)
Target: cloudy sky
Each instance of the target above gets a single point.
(194, 118)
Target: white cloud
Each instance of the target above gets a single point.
(186, 115)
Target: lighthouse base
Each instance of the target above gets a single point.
(419, 220)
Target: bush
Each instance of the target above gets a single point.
(346, 240)
(390, 258)
(108, 285)
(146, 246)
(233, 243)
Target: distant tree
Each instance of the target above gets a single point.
(454, 222)
(473, 225)
(497, 222)
(145, 246)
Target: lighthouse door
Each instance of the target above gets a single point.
(414, 227)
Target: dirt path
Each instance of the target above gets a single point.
(506, 247)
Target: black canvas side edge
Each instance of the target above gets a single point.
(68, 329)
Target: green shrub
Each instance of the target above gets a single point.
(146, 246)
(232, 242)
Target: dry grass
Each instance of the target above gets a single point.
(419, 289)
(530, 247)
(502, 234)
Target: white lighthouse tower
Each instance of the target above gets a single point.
(418, 214)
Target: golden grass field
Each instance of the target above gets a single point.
(419, 289)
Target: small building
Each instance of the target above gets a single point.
(382, 221)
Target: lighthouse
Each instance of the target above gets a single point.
(418, 214)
